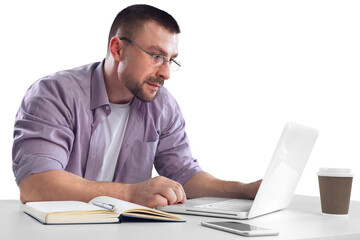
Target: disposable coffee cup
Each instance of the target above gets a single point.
(335, 190)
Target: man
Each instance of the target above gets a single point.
(99, 129)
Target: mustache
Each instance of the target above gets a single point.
(155, 80)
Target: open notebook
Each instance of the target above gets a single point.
(111, 211)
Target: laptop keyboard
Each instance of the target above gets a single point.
(234, 205)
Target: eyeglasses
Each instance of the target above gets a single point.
(157, 59)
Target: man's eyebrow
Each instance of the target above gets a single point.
(161, 51)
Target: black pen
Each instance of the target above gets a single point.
(104, 205)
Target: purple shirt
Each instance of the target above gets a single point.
(60, 126)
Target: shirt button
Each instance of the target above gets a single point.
(92, 125)
(107, 108)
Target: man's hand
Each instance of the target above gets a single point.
(250, 189)
(157, 191)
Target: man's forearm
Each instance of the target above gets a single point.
(203, 184)
(59, 185)
(62, 185)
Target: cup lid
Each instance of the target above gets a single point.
(335, 172)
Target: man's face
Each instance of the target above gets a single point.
(140, 76)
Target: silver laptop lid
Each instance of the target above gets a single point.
(286, 166)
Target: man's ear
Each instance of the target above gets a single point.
(116, 47)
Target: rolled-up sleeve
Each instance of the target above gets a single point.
(173, 156)
(43, 135)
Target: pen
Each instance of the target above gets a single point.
(105, 205)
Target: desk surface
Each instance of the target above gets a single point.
(302, 220)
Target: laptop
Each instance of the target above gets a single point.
(277, 187)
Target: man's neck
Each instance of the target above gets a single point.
(116, 90)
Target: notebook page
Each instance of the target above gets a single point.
(62, 206)
(120, 205)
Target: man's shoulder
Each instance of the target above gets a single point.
(164, 101)
(164, 97)
(76, 78)
(164, 107)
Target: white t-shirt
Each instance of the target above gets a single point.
(114, 127)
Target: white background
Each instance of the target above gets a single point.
(247, 68)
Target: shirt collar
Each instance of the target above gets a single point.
(99, 95)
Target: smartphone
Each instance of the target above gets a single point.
(242, 229)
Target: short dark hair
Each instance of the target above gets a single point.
(133, 17)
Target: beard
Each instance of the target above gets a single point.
(137, 89)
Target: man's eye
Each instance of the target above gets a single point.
(155, 56)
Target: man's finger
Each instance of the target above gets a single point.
(180, 194)
(169, 194)
(158, 200)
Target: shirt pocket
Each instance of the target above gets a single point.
(142, 160)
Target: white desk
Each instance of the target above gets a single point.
(302, 220)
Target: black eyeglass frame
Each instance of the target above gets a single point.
(155, 56)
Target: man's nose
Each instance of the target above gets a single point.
(164, 71)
